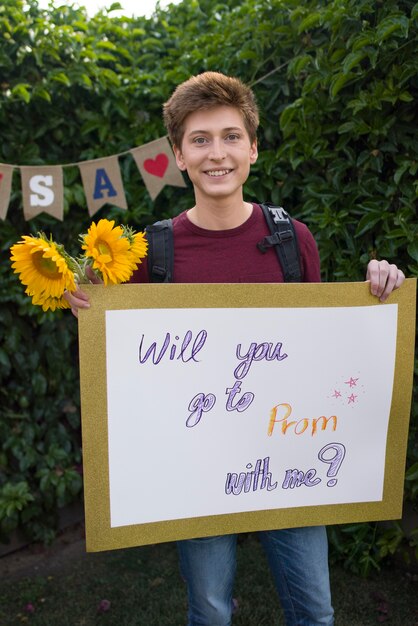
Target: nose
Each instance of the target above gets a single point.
(217, 152)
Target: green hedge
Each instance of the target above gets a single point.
(337, 85)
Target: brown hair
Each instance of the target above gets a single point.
(206, 91)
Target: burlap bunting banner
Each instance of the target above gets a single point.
(6, 174)
(43, 191)
(102, 182)
(156, 162)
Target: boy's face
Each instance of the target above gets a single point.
(217, 153)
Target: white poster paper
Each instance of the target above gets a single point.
(217, 411)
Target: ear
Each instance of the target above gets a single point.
(253, 152)
(179, 159)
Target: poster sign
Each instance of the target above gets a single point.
(210, 409)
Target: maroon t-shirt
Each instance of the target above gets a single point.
(232, 256)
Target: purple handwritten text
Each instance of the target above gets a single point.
(257, 352)
(185, 352)
(259, 478)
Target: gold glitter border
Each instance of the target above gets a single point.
(92, 342)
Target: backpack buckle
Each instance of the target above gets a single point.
(273, 240)
(285, 235)
(159, 271)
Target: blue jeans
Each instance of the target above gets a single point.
(298, 559)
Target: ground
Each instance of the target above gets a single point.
(38, 560)
(64, 586)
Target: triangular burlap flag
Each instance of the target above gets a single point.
(102, 183)
(43, 191)
(156, 162)
(6, 173)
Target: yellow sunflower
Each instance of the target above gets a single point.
(42, 267)
(50, 303)
(106, 244)
(139, 247)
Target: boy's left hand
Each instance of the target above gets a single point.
(384, 278)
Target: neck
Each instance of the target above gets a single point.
(220, 216)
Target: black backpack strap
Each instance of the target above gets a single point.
(283, 238)
(160, 251)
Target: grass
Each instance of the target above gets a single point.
(144, 588)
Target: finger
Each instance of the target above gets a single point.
(372, 268)
(400, 278)
(390, 284)
(395, 279)
(77, 300)
(377, 273)
(78, 294)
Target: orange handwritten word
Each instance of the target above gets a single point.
(280, 414)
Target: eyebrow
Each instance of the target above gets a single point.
(224, 130)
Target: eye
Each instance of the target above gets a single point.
(200, 140)
(233, 137)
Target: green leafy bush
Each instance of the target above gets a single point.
(337, 84)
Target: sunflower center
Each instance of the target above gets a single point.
(104, 248)
(46, 267)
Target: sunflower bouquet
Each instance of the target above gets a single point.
(47, 270)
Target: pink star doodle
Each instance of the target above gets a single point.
(336, 394)
(352, 382)
(352, 398)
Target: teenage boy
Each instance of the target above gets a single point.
(212, 121)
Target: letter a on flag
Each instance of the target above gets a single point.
(102, 183)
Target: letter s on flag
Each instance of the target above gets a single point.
(42, 194)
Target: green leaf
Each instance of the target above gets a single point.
(363, 40)
(106, 56)
(248, 54)
(412, 473)
(108, 45)
(390, 25)
(368, 222)
(4, 359)
(405, 96)
(41, 92)
(61, 77)
(338, 82)
(21, 91)
(401, 171)
(413, 250)
(287, 116)
(347, 127)
(336, 56)
(39, 384)
(298, 64)
(86, 80)
(353, 59)
(115, 6)
(310, 21)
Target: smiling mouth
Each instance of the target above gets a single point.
(215, 173)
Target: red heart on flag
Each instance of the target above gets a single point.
(157, 166)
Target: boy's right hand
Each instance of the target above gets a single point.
(78, 299)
